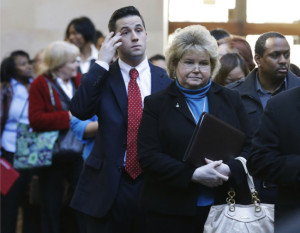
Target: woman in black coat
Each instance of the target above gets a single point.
(177, 195)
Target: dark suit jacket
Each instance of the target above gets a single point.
(275, 155)
(103, 93)
(254, 108)
(163, 137)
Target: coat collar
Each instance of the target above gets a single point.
(248, 88)
(180, 104)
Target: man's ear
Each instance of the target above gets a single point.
(257, 59)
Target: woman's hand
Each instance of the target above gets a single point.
(208, 175)
(223, 168)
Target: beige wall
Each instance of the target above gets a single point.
(32, 24)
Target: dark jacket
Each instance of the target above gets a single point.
(250, 98)
(248, 92)
(165, 131)
(103, 93)
(275, 155)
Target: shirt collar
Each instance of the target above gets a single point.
(61, 82)
(282, 85)
(142, 67)
(94, 54)
(14, 82)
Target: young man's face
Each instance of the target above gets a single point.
(276, 59)
(134, 38)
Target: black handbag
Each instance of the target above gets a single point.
(67, 147)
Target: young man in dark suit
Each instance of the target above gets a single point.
(109, 187)
(275, 156)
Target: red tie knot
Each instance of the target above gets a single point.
(133, 73)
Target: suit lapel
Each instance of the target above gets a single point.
(118, 87)
(156, 78)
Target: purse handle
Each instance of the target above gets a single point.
(51, 94)
(21, 114)
(249, 177)
(231, 194)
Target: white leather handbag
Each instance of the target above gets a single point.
(236, 218)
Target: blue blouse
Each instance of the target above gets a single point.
(19, 100)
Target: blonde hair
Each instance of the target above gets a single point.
(191, 38)
(56, 55)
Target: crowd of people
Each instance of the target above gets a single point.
(135, 116)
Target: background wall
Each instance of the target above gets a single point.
(32, 24)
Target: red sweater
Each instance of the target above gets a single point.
(42, 116)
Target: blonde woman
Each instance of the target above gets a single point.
(177, 195)
(59, 69)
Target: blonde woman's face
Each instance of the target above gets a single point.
(193, 71)
(68, 70)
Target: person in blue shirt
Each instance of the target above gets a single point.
(85, 131)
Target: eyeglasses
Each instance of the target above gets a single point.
(192, 66)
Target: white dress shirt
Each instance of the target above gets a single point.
(85, 65)
(143, 80)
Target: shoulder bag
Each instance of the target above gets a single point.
(236, 218)
(34, 149)
(67, 147)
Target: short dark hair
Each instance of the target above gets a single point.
(121, 13)
(260, 45)
(8, 65)
(219, 33)
(84, 26)
(157, 57)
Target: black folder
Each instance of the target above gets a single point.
(213, 139)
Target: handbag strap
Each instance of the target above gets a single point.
(23, 109)
(26, 102)
(254, 194)
(249, 177)
(51, 94)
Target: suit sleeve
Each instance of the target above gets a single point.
(154, 162)
(267, 161)
(85, 100)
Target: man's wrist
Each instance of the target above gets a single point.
(103, 64)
